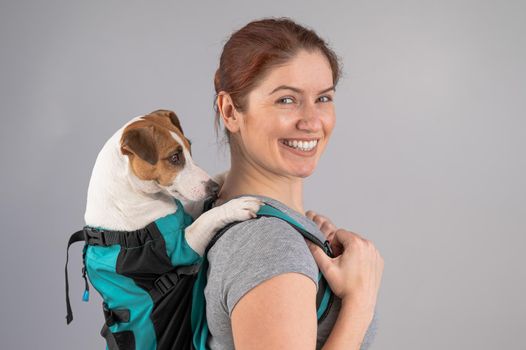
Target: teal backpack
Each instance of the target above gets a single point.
(152, 283)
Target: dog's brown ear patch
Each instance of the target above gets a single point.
(140, 141)
(170, 115)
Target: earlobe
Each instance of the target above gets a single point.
(227, 112)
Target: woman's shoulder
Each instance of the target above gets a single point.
(270, 224)
(254, 251)
(262, 231)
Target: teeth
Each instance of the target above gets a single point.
(301, 145)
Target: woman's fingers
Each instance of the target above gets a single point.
(324, 224)
(356, 270)
(341, 240)
(345, 238)
(317, 218)
(322, 260)
(310, 214)
(336, 247)
(348, 236)
(328, 226)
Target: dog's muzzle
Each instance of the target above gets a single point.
(211, 188)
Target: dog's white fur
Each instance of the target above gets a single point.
(119, 200)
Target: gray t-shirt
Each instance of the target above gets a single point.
(252, 252)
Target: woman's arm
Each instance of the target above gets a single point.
(271, 292)
(349, 330)
(279, 313)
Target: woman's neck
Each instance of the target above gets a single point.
(244, 178)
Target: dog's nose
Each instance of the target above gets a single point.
(212, 187)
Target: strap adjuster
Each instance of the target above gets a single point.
(112, 316)
(94, 236)
(166, 282)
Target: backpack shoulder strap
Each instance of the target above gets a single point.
(271, 211)
(324, 296)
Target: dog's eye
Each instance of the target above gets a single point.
(175, 158)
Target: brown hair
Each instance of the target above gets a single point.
(260, 45)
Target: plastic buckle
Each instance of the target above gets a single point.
(165, 283)
(94, 236)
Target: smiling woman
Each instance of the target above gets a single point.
(285, 129)
(275, 89)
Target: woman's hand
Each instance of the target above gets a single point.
(325, 225)
(354, 274)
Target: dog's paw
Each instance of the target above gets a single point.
(240, 209)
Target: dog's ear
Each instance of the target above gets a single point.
(170, 115)
(140, 141)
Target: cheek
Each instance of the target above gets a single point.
(329, 122)
(167, 176)
(143, 170)
(265, 136)
(261, 132)
(254, 132)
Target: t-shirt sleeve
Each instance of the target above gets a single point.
(254, 251)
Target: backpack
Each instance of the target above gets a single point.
(150, 300)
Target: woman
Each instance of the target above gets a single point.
(275, 88)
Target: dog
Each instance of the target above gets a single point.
(146, 232)
(143, 167)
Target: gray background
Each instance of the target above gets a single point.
(427, 158)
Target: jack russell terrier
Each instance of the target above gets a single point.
(139, 171)
(143, 220)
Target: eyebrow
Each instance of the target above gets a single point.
(298, 90)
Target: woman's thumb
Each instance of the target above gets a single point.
(322, 259)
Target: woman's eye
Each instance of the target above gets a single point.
(286, 100)
(325, 98)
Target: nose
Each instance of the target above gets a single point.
(310, 119)
(211, 187)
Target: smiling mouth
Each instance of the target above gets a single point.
(305, 146)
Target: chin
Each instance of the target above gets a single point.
(304, 172)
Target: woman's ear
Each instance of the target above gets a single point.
(228, 113)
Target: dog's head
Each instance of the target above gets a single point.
(160, 158)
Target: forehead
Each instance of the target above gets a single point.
(309, 71)
(166, 133)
